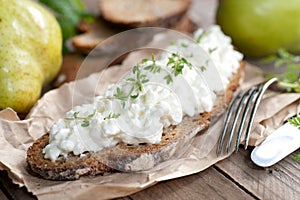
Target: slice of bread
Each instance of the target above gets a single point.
(93, 34)
(119, 15)
(141, 13)
(125, 157)
(98, 31)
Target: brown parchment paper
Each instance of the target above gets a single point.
(17, 135)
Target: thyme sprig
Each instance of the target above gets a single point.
(136, 82)
(175, 62)
(154, 68)
(120, 95)
(112, 116)
(290, 79)
(297, 158)
(296, 122)
(199, 38)
(210, 50)
(85, 119)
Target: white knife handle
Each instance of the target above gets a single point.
(276, 146)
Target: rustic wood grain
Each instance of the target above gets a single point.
(280, 181)
(208, 184)
(3, 196)
(233, 178)
(13, 191)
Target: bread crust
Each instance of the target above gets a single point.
(129, 157)
(100, 30)
(142, 13)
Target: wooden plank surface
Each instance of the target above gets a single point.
(208, 184)
(280, 181)
(3, 196)
(13, 191)
(233, 178)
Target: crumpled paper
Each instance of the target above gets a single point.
(17, 135)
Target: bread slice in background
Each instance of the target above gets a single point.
(123, 157)
(93, 34)
(140, 13)
(99, 31)
(119, 15)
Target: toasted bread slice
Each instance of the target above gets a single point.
(125, 157)
(94, 34)
(98, 31)
(141, 13)
(131, 14)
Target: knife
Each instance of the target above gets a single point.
(277, 145)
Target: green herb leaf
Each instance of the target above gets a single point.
(91, 115)
(130, 79)
(184, 45)
(290, 78)
(135, 69)
(168, 78)
(198, 40)
(112, 116)
(295, 121)
(152, 57)
(120, 95)
(202, 68)
(172, 42)
(153, 68)
(297, 158)
(210, 50)
(75, 115)
(85, 123)
(134, 96)
(145, 60)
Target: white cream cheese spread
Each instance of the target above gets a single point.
(156, 94)
(218, 45)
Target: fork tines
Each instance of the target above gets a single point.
(240, 113)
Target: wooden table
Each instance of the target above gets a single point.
(233, 178)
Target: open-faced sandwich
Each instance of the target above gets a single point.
(148, 116)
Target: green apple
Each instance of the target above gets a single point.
(30, 52)
(260, 27)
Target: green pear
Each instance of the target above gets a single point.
(30, 52)
(259, 28)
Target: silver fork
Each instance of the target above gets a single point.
(238, 112)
